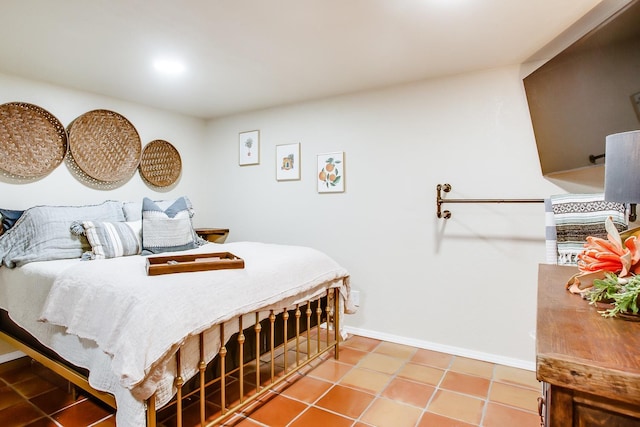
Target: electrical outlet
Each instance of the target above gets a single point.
(355, 297)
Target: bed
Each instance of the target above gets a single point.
(142, 342)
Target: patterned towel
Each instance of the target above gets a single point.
(577, 216)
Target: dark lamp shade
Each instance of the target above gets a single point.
(622, 167)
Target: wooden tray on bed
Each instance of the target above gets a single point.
(166, 264)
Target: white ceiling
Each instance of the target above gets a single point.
(244, 55)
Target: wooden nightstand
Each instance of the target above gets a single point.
(215, 235)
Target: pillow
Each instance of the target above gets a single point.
(133, 210)
(167, 229)
(9, 218)
(110, 239)
(42, 232)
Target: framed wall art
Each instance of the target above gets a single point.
(249, 148)
(288, 162)
(331, 172)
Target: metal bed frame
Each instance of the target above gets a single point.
(268, 369)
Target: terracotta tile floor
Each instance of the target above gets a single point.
(375, 383)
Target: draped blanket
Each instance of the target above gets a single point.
(577, 216)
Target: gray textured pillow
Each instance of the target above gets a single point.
(43, 232)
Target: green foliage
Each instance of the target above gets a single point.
(622, 293)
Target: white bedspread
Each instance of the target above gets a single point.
(138, 321)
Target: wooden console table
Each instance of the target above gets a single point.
(589, 365)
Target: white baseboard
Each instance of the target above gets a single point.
(7, 357)
(456, 351)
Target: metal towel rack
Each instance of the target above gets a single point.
(447, 187)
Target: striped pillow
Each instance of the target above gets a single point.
(112, 239)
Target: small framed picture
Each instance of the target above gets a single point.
(249, 147)
(288, 162)
(331, 172)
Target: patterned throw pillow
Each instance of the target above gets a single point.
(111, 239)
(167, 229)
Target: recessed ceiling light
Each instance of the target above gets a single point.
(169, 66)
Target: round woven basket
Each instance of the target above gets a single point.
(32, 141)
(160, 164)
(105, 145)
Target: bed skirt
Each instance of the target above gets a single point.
(254, 359)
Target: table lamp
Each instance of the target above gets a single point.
(622, 169)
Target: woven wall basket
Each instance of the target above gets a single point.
(160, 164)
(105, 145)
(32, 141)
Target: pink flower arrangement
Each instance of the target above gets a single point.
(618, 254)
(612, 255)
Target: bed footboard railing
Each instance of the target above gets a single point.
(239, 382)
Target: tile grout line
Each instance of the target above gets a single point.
(394, 376)
(308, 405)
(488, 397)
(336, 383)
(105, 418)
(33, 405)
(439, 387)
(378, 394)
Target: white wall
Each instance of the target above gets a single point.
(467, 284)
(61, 186)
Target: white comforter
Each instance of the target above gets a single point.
(132, 323)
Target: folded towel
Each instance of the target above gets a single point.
(551, 240)
(577, 216)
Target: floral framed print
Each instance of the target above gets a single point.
(249, 148)
(288, 162)
(331, 172)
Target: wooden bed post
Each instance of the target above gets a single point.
(202, 368)
(151, 411)
(336, 321)
(258, 328)
(285, 318)
(241, 340)
(298, 315)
